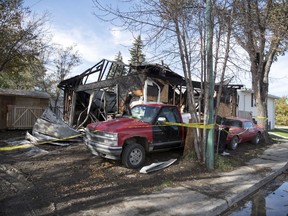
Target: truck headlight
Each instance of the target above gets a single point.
(102, 137)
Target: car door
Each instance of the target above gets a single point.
(167, 136)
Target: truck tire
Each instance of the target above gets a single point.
(233, 143)
(133, 155)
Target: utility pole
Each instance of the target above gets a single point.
(209, 60)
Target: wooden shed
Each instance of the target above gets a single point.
(20, 109)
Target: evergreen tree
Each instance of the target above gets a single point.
(117, 68)
(137, 56)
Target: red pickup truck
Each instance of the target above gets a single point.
(129, 138)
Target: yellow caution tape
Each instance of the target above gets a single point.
(27, 145)
(192, 125)
(8, 148)
(142, 126)
(235, 134)
(261, 117)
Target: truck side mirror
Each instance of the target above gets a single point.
(161, 119)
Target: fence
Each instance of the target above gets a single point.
(23, 117)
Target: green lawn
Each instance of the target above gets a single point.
(280, 132)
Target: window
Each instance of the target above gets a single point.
(171, 115)
(233, 123)
(144, 113)
(252, 100)
(248, 125)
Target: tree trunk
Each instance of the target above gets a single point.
(260, 89)
(193, 141)
(189, 142)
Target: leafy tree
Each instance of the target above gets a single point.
(136, 52)
(21, 44)
(28, 77)
(21, 39)
(281, 111)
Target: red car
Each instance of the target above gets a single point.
(240, 130)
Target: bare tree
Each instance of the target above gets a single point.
(223, 31)
(169, 24)
(63, 62)
(261, 29)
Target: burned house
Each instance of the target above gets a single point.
(108, 89)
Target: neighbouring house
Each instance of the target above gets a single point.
(247, 106)
(109, 88)
(20, 109)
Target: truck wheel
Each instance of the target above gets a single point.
(133, 155)
(234, 143)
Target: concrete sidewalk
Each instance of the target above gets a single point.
(205, 196)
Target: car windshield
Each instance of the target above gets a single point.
(144, 113)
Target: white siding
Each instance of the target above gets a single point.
(244, 106)
(271, 112)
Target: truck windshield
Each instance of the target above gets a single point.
(144, 113)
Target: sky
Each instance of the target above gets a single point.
(71, 22)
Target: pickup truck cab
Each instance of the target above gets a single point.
(129, 138)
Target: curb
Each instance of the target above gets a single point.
(233, 200)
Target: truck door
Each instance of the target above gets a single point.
(167, 136)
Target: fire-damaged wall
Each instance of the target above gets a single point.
(228, 101)
(116, 87)
(111, 95)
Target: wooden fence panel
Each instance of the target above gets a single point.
(23, 117)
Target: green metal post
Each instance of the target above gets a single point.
(210, 138)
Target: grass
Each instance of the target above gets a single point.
(167, 183)
(240, 156)
(191, 156)
(280, 132)
(225, 164)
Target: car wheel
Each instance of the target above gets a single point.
(233, 143)
(133, 155)
(257, 139)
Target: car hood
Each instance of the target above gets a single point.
(115, 125)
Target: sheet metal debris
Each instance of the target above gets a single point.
(50, 127)
(157, 166)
